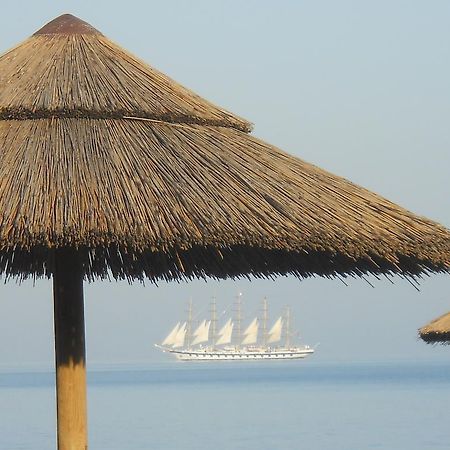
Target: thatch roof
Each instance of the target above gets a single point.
(101, 152)
(437, 331)
(69, 69)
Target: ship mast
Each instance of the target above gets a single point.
(213, 321)
(287, 336)
(264, 322)
(238, 319)
(189, 325)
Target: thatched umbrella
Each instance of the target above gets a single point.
(110, 168)
(437, 331)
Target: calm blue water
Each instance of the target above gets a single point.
(252, 406)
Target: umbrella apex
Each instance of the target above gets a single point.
(67, 24)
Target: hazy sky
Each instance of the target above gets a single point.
(360, 88)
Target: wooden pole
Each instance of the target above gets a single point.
(70, 352)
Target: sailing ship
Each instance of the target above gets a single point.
(256, 342)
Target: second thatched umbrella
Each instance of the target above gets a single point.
(437, 331)
(110, 168)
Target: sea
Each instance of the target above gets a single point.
(279, 405)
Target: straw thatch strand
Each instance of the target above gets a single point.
(437, 331)
(156, 193)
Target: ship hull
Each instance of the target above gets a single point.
(241, 355)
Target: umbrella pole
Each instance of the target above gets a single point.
(70, 353)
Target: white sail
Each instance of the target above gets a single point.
(170, 339)
(201, 334)
(224, 328)
(179, 338)
(199, 329)
(225, 333)
(274, 334)
(251, 333)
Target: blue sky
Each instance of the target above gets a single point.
(359, 88)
